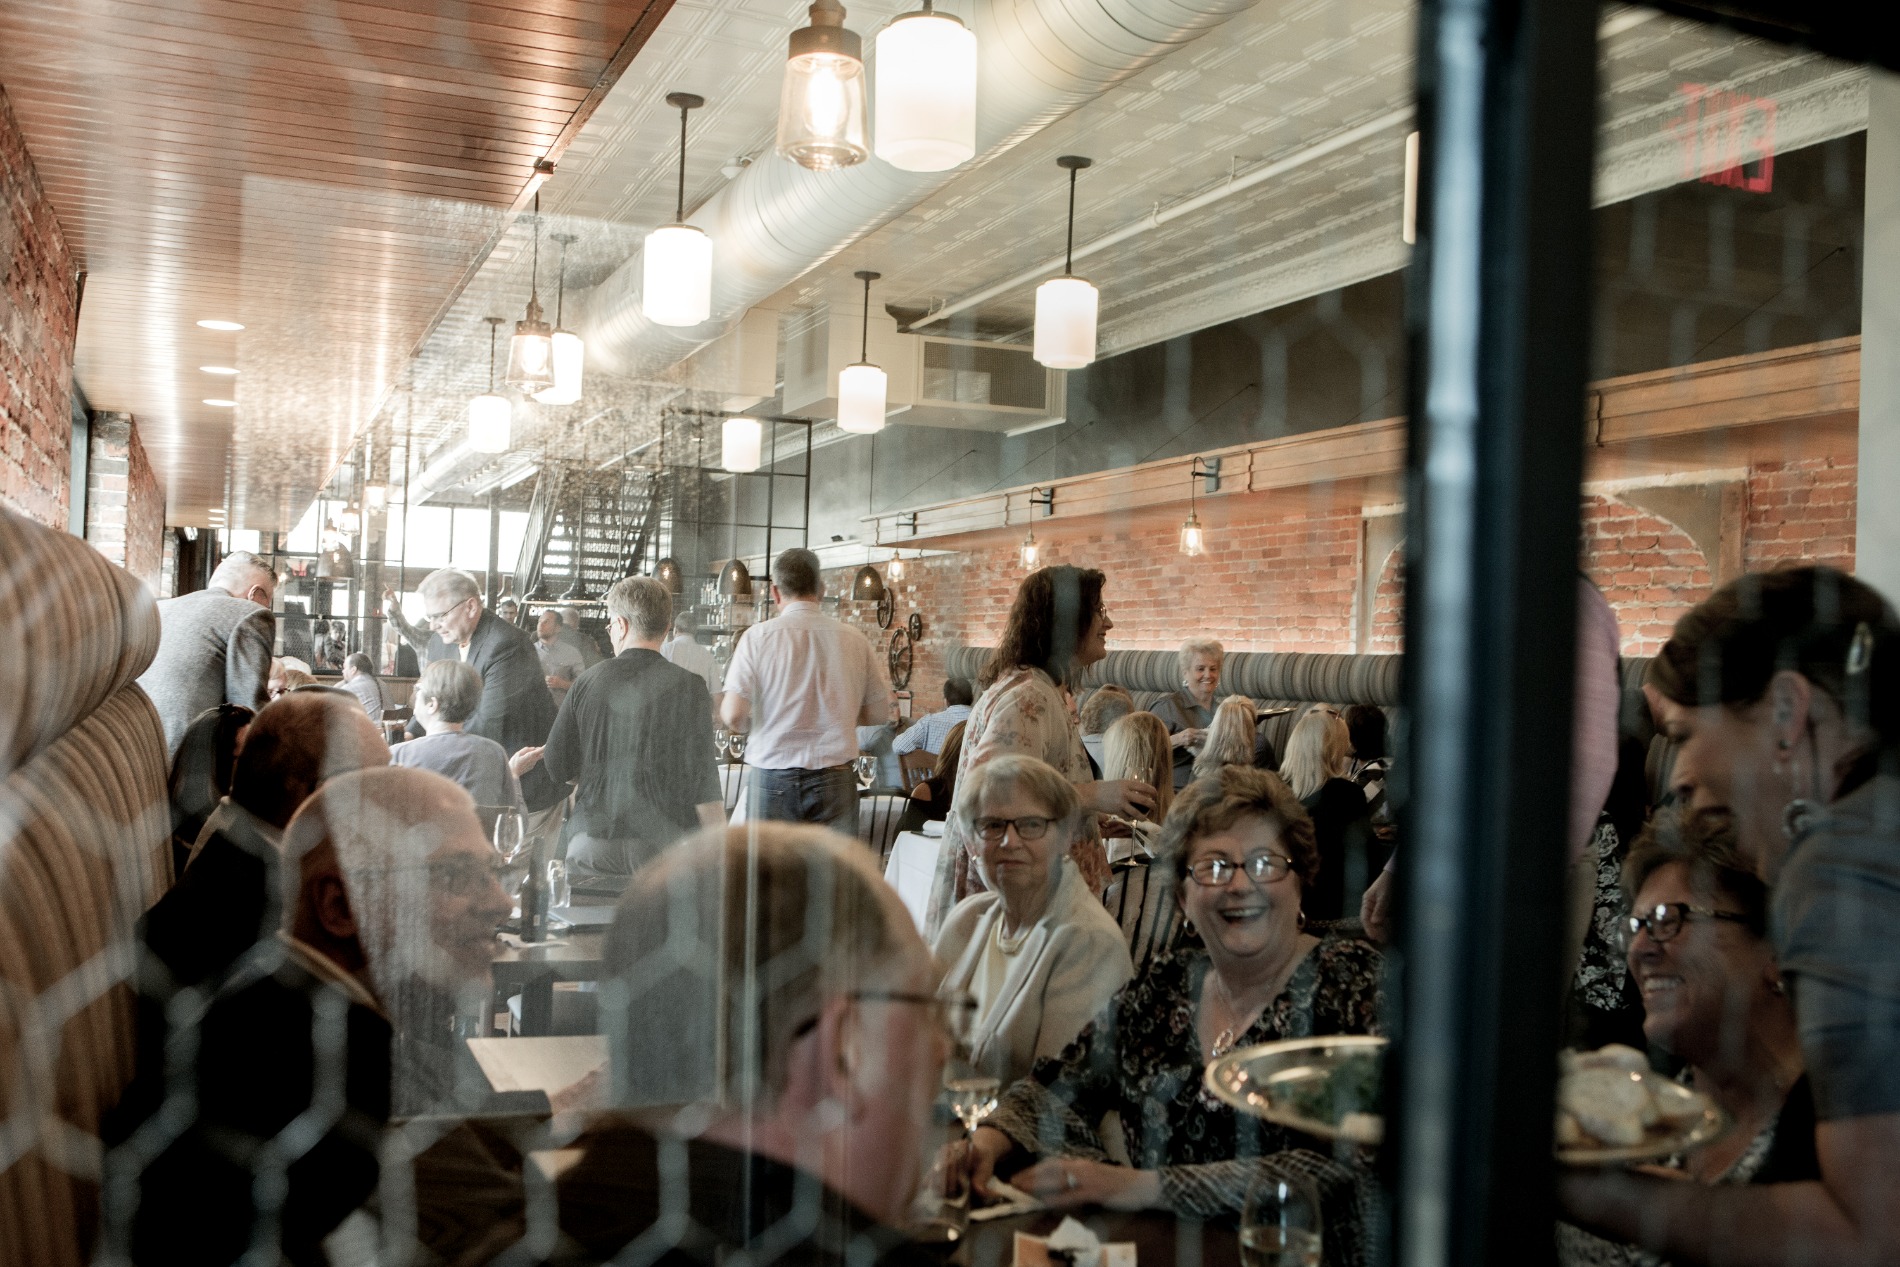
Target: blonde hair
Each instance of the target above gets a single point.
(1136, 747)
(1230, 737)
(1318, 749)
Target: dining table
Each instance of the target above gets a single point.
(530, 969)
(1160, 1239)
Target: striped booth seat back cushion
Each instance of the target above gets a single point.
(84, 824)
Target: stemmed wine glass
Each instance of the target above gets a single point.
(867, 771)
(510, 840)
(722, 740)
(1280, 1223)
(737, 744)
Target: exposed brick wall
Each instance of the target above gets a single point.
(1388, 606)
(125, 511)
(38, 324)
(1800, 511)
(1648, 569)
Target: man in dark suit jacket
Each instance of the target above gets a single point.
(517, 709)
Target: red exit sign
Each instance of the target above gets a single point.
(1725, 138)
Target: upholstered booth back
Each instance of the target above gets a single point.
(83, 853)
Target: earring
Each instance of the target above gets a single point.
(1778, 988)
(1300, 921)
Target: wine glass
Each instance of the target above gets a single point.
(509, 840)
(1280, 1224)
(867, 771)
(738, 746)
(722, 740)
(972, 1098)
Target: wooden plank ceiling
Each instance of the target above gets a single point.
(326, 173)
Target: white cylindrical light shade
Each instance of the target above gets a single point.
(1065, 323)
(677, 285)
(739, 444)
(489, 421)
(821, 112)
(568, 351)
(862, 391)
(926, 93)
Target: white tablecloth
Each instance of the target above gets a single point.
(911, 869)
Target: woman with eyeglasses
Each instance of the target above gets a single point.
(1036, 950)
(1057, 627)
(1713, 998)
(1239, 849)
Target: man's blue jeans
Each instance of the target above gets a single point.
(826, 797)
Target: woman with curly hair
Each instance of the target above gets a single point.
(1057, 627)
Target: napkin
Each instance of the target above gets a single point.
(1076, 1244)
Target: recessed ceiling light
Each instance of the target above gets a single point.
(217, 369)
(222, 325)
(221, 404)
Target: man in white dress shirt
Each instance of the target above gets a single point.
(801, 684)
(685, 650)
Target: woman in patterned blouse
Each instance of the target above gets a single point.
(1239, 849)
(1057, 627)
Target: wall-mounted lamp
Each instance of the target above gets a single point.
(908, 520)
(1031, 551)
(1045, 498)
(1193, 536)
(895, 568)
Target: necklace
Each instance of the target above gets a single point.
(1010, 945)
(1224, 1041)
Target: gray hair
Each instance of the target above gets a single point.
(643, 603)
(724, 949)
(237, 565)
(1197, 648)
(1040, 781)
(449, 583)
(454, 685)
(685, 622)
(796, 573)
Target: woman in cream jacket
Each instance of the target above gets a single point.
(1037, 950)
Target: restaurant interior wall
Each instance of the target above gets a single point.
(1686, 274)
(125, 508)
(38, 324)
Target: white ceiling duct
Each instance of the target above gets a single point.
(776, 220)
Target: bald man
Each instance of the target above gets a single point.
(394, 892)
(228, 898)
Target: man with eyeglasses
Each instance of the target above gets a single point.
(766, 978)
(214, 646)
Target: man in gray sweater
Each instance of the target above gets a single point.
(214, 646)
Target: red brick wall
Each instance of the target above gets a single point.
(1284, 578)
(125, 511)
(38, 324)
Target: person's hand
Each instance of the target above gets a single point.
(389, 593)
(1066, 1182)
(968, 1165)
(525, 759)
(1125, 798)
(1375, 909)
(1116, 829)
(579, 1097)
(1189, 738)
(558, 683)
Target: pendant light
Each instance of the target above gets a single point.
(821, 110)
(863, 388)
(1066, 306)
(676, 287)
(1193, 537)
(1031, 551)
(735, 579)
(926, 92)
(531, 352)
(568, 349)
(668, 574)
(490, 415)
(895, 568)
(867, 586)
(740, 442)
(376, 496)
(350, 520)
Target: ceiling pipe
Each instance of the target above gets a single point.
(776, 221)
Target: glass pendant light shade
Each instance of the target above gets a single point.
(376, 496)
(862, 391)
(740, 443)
(1065, 323)
(490, 419)
(677, 272)
(568, 353)
(821, 109)
(895, 568)
(350, 520)
(531, 353)
(1031, 551)
(1193, 539)
(926, 92)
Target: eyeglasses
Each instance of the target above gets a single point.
(1666, 919)
(1030, 828)
(433, 617)
(1261, 868)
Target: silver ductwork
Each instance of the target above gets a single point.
(1040, 59)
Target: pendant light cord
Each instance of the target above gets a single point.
(679, 207)
(864, 337)
(534, 277)
(560, 297)
(491, 358)
(1068, 253)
